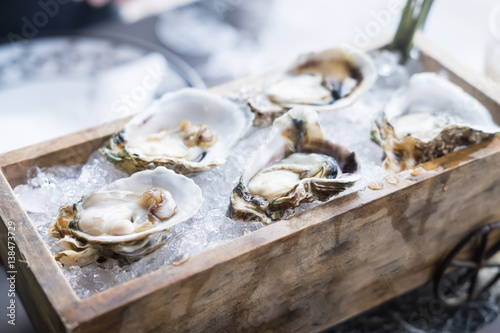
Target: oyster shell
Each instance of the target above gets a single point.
(126, 219)
(325, 81)
(295, 165)
(428, 118)
(187, 131)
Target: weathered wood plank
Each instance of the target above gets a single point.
(40, 283)
(67, 150)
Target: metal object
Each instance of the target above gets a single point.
(463, 283)
(177, 64)
(413, 17)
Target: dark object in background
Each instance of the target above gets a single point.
(25, 19)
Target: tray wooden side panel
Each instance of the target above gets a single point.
(68, 150)
(38, 307)
(41, 294)
(320, 267)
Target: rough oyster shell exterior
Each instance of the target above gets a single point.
(228, 121)
(281, 93)
(447, 119)
(296, 131)
(81, 248)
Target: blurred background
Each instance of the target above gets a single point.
(67, 65)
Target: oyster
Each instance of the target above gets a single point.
(187, 131)
(428, 118)
(294, 166)
(126, 219)
(325, 81)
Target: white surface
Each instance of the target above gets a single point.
(39, 110)
(492, 66)
(461, 28)
(135, 10)
(35, 112)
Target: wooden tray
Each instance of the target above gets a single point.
(305, 274)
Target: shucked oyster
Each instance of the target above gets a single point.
(326, 81)
(427, 119)
(126, 219)
(186, 131)
(295, 165)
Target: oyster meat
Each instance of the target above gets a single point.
(325, 81)
(428, 118)
(186, 141)
(295, 165)
(187, 131)
(126, 219)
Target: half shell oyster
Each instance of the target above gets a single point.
(126, 219)
(295, 165)
(428, 118)
(325, 81)
(187, 131)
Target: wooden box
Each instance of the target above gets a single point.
(303, 274)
